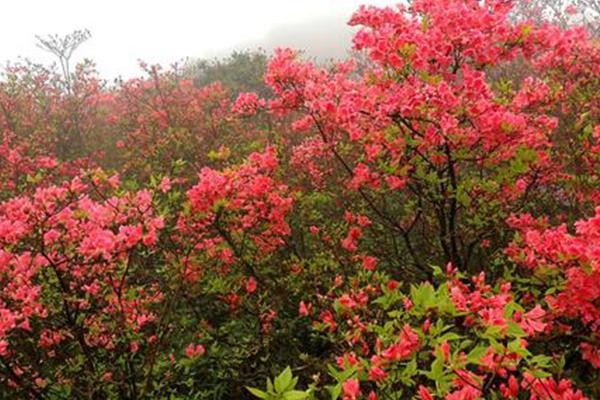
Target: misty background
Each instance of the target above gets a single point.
(164, 32)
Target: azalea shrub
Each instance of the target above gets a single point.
(422, 222)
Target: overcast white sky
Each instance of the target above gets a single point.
(124, 31)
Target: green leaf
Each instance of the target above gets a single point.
(477, 354)
(437, 369)
(515, 330)
(408, 373)
(283, 381)
(335, 391)
(493, 332)
(515, 347)
(541, 361)
(463, 198)
(411, 369)
(423, 296)
(257, 393)
(538, 373)
(295, 395)
(448, 337)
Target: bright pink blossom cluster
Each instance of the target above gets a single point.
(573, 258)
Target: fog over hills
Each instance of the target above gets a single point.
(157, 31)
(323, 38)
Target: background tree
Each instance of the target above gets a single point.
(63, 48)
(242, 71)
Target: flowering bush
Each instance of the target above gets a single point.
(423, 225)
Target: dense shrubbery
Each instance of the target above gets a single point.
(424, 226)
